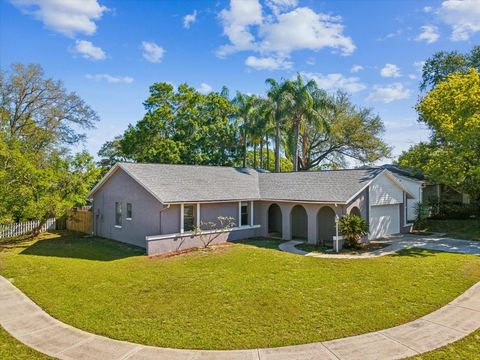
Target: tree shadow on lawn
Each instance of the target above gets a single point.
(417, 252)
(80, 246)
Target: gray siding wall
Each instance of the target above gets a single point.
(360, 201)
(211, 212)
(170, 220)
(145, 210)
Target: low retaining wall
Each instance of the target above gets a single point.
(161, 244)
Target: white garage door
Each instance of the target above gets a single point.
(384, 220)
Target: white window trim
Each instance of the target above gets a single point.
(118, 226)
(129, 219)
(182, 225)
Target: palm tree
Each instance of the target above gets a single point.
(245, 107)
(300, 108)
(276, 110)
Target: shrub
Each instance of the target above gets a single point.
(421, 213)
(353, 229)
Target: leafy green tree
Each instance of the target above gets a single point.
(452, 111)
(245, 107)
(437, 68)
(345, 131)
(185, 127)
(285, 164)
(39, 178)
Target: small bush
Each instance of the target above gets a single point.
(421, 213)
(353, 229)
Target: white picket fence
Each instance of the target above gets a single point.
(25, 227)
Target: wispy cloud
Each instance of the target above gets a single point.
(429, 34)
(332, 82)
(205, 88)
(189, 19)
(267, 63)
(110, 78)
(390, 70)
(462, 16)
(389, 93)
(152, 52)
(89, 51)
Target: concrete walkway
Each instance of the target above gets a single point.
(397, 244)
(27, 322)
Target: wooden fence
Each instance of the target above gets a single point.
(80, 220)
(25, 227)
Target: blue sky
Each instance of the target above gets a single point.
(110, 52)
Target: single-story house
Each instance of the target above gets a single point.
(156, 206)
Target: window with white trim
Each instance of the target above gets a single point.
(188, 217)
(129, 211)
(244, 214)
(118, 214)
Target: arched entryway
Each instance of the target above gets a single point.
(326, 226)
(275, 221)
(355, 211)
(299, 222)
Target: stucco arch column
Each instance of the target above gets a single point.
(286, 220)
(261, 216)
(312, 210)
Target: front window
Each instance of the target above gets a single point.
(188, 217)
(129, 211)
(118, 214)
(244, 214)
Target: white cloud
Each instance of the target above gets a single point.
(236, 25)
(67, 17)
(462, 16)
(152, 52)
(189, 19)
(429, 34)
(267, 63)
(390, 70)
(412, 76)
(356, 68)
(302, 28)
(205, 88)
(110, 78)
(332, 82)
(282, 32)
(89, 51)
(310, 61)
(281, 5)
(427, 9)
(389, 93)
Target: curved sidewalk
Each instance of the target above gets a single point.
(403, 242)
(27, 322)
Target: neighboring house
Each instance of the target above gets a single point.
(156, 206)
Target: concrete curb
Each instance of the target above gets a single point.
(28, 323)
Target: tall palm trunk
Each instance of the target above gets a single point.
(277, 147)
(268, 155)
(255, 155)
(295, 145)
(261, 152)
(244, 148)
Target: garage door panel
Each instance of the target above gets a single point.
(384, 221)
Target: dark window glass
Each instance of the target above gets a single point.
(129, 211)
(188, 217)
(118, 214)
(245, 217)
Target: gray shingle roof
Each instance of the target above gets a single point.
(190, 183)
(184, 183)
(322, 186)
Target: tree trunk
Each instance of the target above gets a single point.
(244, 148)
(268, 156)
(261, 153)
(295, 147)
(254, 155)
(277, 147)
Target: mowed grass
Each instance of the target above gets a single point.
(467, 348)
(468, 229)
(10, 348)
(231, 297)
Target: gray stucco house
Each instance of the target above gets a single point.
(155, 206)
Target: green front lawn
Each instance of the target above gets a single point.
(467, 348)
(237, 296)
(460, 229)
(10, 348)
(365, 248)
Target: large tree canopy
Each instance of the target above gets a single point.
(184, 127)
(39, 178)
(443, 63)
(452, 111)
